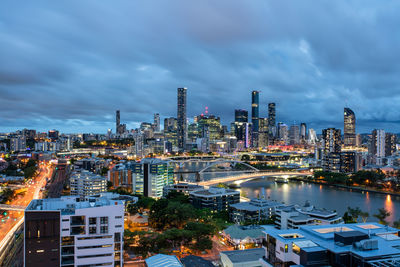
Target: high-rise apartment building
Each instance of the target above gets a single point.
(390, 144)
(331, 145)
(157, 126)
(255, 101)
(241, 115)
(18, 144)
(312, 137)
(71, 231)
(181, 118)
(377, 146)
(349, 127)
(86, 183)
(283, 132)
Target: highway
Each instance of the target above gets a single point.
(11, 221)
(251, 175)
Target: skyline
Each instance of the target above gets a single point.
(69, 66)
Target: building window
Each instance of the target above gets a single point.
(77, 220)
(103, 220)
(103, 229)
(92, 230)
(117, 237)
(117, 246)
(92, 220)
(77, 230)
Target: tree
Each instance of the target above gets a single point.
(104, 171)
(396, 224)
(203, 244)
(382, 215)
(364, 216)
(245, 157)
(354, 213)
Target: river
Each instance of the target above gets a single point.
(323, 196)
(296, 192)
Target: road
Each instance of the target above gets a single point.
(251, 175)
(32, 191)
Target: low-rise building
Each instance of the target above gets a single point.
(242, 237)
(163, 260)
(240, 258)
(254, 210)
(71, 231)
(360, 244)
(185, 188)
(85, 183)
(214, 198)
(292, 217)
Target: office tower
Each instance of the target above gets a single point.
(312, 137)
(181, 118)
(263, 133)
(53, 134)
(241, 115)
(358, 140)
(28, 133)
(255, 116)
(331, 145)
(210, 124)
(71, 231)
(139, 145)
(283, 133)
(390, 144)
(170, 131)
(147, 177)
(271, 115)
(377, 146)
(303, 131)
(294, 134)
(349, 127)
(117, 121)
(157, 126)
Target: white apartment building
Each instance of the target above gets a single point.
(86, 183)
(71, 231)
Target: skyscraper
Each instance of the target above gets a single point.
(156, 122)
(349, 127)
(294, 134)
(271, 114)
(255, 116)
(377, 146)
(241, 115)
(181, 118)
(118, 121)
(390, 144)
(303, 131)
(331, 145)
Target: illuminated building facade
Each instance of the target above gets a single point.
(181, 118)
(349, 127)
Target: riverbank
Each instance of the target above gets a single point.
(352, 188)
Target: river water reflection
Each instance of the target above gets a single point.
(323, 196)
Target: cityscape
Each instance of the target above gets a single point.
(257, 175)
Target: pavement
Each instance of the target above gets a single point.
(32, 191)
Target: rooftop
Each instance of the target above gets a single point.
(196, 261)
(241, 232)
(237, 256)
(68, 204)
(163, 260)
(215, 191)
(323, 236)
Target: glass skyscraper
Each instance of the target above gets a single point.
(349, 127)
(255, 116)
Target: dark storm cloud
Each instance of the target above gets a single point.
(70, 64)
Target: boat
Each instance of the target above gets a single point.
(281, 180)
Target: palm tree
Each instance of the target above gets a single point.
(382, 215)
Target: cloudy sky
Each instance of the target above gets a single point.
(70, 64)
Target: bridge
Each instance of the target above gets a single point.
(214, 163)
(251, 175)
(12, 207)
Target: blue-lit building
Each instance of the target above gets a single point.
(360, 244)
